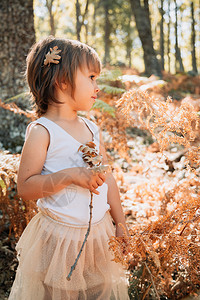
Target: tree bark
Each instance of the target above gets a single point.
(128, 41)
(78, 22)
(16, 37)
(80, 18)
(143, 24)
(162, 37)
(49, 5)
(107, 25)
(86, 32)
(168, 37)
(94, 19)
(179, 63)
(193, 40)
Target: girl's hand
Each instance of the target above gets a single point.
(87, 179)
(123, 233)
(121, 230)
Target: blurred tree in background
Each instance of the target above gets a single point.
(142, 18)
(148, 35)
(16, 37)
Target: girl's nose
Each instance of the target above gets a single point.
(97, 89)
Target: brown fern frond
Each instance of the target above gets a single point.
(15, 109)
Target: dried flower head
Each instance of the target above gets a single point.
(52, 56)
(90, 155)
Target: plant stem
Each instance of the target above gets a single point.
(85, 239)
(152, 280)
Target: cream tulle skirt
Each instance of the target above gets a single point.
(46, 251)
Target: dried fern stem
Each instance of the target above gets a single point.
(91, 157)
(85, 239)
(100, 169)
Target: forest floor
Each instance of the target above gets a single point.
(142, 182)
(141, 186)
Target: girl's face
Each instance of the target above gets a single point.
(86, 89)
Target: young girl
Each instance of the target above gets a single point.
(62, 77)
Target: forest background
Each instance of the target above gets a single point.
(150, 50)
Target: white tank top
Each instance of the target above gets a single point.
(71, 204)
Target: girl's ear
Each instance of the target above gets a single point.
(64, 86)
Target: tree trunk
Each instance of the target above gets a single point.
(143, 24)
(94, 19)
(128, 40)
(80, 18)
(168, 37)
(49, 5)
(16, 37)
(128, 51)
(162, 37)
(179, 63)
(86, 33)
(107, 25)
(193, 40)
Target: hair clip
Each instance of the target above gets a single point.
(52, 56)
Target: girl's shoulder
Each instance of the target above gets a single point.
(36, 140)
(37, 129)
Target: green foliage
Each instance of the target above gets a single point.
(104, 107)
(110, 75)
(111, 89)
(108, 81)
(18, 96)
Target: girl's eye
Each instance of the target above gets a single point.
(92, 77)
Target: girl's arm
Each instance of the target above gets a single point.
(113, 196)
(31, 185)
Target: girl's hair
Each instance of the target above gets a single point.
(43, 78)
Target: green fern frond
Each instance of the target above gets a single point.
(22, 95)
(111, 89)
(2, 186)
(110, 75)
(104, 107)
